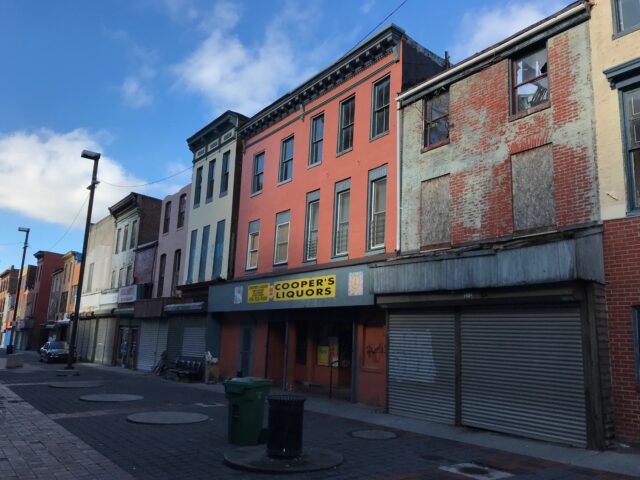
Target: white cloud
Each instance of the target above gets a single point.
(367, 6)
(43, 176)
(231, 74)
(134, 94)
(483, 27)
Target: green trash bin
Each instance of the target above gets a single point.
(246, 397)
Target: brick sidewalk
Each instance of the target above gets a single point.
(32, 446)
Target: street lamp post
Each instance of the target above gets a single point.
(74, 321)
(14, 324)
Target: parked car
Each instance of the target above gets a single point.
(55, 350)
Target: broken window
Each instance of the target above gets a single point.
(436, 120)
(530, 80)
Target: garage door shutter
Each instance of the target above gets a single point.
(421, 366)
(522, 373)
(153, 341)
(193, 341)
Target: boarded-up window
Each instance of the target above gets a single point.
(533, 203)
(435, 202)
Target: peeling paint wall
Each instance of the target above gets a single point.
(484, 137)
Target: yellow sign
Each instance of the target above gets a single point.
(258, 293)
(322, 356)
(305, 288)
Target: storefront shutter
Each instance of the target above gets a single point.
(193, 341)
(421, 365)
(522, 373)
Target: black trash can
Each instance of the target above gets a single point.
(285, 426)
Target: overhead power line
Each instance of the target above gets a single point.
(400, 5)
(145, 184)
(71, 224)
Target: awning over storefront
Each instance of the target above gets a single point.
(100, 313)
(332, 287)
(123, 312)
(182, 308)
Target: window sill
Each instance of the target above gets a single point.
(288, 180)
(313, 165)
(310, 262)
(380, 135)
(529, 111)
(280, 266)
(251, 270)
(254, 194)
(374, 251)
(208, 200)
(340, 258)
(435, 247)
(344, 152)
(633, 213)
(623, 33)
(434, 146)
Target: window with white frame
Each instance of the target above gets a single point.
(313, 210)
(210, 180)
(224, 178)
(258, 173)
(341, 218)
(197, 188)
(317, 138)
(377, 208)
(281, 247)
(380, 107)
(286, 160)
(345, 130)
(253, 244)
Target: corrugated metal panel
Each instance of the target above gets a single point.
(148, 342)
(421, 366)
(82, 338)
(104, 341)
(100, 339)
(522, 373)
(193, 344)
(174, 340)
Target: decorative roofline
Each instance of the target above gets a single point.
(353, 62)
(215, 128)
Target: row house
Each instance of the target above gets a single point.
(495, 307)
(24, 315)
(210, 235)
(8, 288)
(317, 204)
(46, 264)
(62, 300)
(162, 264)
(615, 68)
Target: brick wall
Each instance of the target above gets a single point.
(622, 272)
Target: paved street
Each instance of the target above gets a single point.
(50, 433)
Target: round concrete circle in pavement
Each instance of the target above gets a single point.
(110, 397)
(374, 434)
(255, 459)
(87, 384)
(166, 418)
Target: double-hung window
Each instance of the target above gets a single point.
(167, 217)
(134, 231)
(317, 137)
(125, 237)
(118, 239)
(341, 218)
(182, 208)
(631, 107)
(377, 208)
(529, 79)
(281, 250)
(197, 188)
(345, 130)
(204, 251)
(161, 269)
(175, 277)
(626, 15)
(253, 245)
(224, 178)
(380, 107)
(210, 180)
(311, 234)
(436, 120)
(286, 160)
(258, 173)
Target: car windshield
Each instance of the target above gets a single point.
(59, 345)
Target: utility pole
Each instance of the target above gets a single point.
(74, 321)
(14, 324)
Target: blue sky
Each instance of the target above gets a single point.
(134, 78)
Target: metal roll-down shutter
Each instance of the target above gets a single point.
(422, 366)
(522, 372)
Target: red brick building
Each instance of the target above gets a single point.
(317, 204)
(496, 315)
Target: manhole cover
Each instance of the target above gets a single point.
(75, 384)
(374, 434)
(478, 472)
(110, 397)
(167, 418)
(209, 405)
